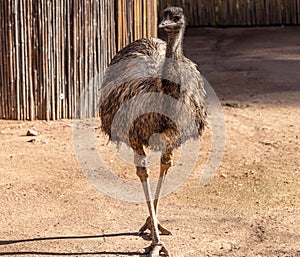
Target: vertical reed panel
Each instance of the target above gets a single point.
(51, 50)
(23, 63)
(11, 57)
(238, 12)
(17, 61)
(135, 19)
(298, 11)
(2, 75)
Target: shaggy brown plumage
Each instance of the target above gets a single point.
(142, 68)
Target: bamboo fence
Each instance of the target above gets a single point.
(53, 53)
(135, 19)
(238, 12)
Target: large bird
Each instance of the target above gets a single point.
(151, 88)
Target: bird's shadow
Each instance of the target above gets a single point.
(45, 253)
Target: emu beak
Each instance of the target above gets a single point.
(165, 23)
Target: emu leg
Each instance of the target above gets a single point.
(157, 245)
(166, 163)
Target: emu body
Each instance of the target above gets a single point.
(154, 68)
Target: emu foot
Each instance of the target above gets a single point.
(148, 225)
(155, 250)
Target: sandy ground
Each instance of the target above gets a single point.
(250, 208)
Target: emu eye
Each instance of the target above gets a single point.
(176, 18)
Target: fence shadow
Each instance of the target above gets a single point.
(45, 253)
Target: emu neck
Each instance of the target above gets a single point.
(174, 45)
(171, 79)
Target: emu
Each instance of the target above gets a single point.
(165, 72)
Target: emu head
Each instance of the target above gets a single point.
(173, 19)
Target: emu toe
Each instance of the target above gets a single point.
(148, 225)
(155, 250)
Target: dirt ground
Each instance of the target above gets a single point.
(250, 208)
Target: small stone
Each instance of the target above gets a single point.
(232, 105)
(226, 246)
(32, 133)
(223, 175)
